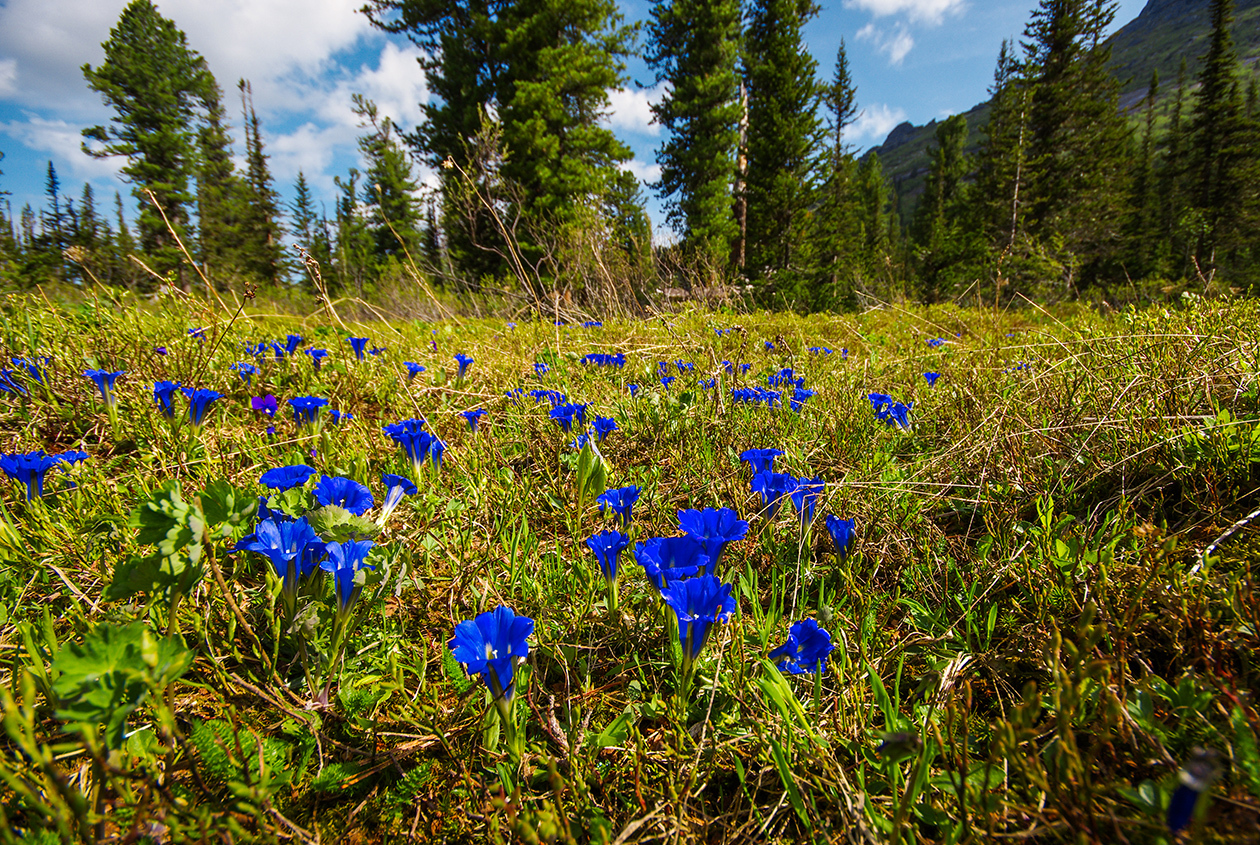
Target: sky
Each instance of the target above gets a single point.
(913, 60)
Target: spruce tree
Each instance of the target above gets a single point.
(1143, 228)
(782, 148)
(389, 188)
(939, 229)
(157, 86)
(310, 232)
(1077, 139)
(837, 216)
(1220, 156)
(693, 48)
(261, 246)
(1001, 168)
(219, 193)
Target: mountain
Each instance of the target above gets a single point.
(1163, 32)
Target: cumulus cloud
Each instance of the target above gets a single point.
(643, 171)
(874, 124)
(61, 141)
(8, 77)
(630, 109)
(920, 11)
(894, 44)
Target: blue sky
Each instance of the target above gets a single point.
(910, 59)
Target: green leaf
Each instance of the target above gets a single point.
(789, 782)
(229, 511)
(334, 523)
(167, 521)
(617, 731)
(107, 676)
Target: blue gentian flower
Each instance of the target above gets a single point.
(844, 354)
(104, 383)
(608, 546)
(799, 396)
(931, 378)
(564, 415)
(541, 368)
(713, 528)
(199, 401)
(633, 388)
(396, 487)
(36, 369)
(555, 397)
(666, 381)
(666, 559)
(161, 350)
(699, 603)
(819, 350)
(603, 426)
(841, 531)
(413, 369)
(805, 497)
(338, 417)
(343, 562)
(244, 370)
(416, 443)
(620, 500)
(284, 478)
(760, 460)
(30, 469)
(472, 417)
(592, 324)
(729, 367)
(376, 351)
(806, 649)
(935, 342)
(164, 396)
(899, 415)
(491, 645)
(306, 408)
(358, 344)
(514, 395)
(8, 385)
(292, 547)
(317, 356)
(343, 492)
(464, 362)
(199, 333)
(292, 342)
(769, 346)
(266, 404)
(279, 350)
(772, 486)
(709, 384)
(1195, 778)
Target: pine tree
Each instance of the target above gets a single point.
(783, 140)
(1143, 227)
(354, 244)
(694, 47)
(1001, 168)
(261, 246)
(878, 224)
(156, 84)
(310, 231)
(53, 218)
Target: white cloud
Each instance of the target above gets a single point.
(921, 11)
(874, 123)
(630, 109)
(896, 44)
(61, 141)
(643, 171)
(8, 77)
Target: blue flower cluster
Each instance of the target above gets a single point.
(889, 410)
(604, 359)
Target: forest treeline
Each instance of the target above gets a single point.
(1065, 194)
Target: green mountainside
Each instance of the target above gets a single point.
(1163, 32)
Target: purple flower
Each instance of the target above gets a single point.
(633, 388)
(491, 645)
(265, 404)
(161, 350)
(198, 333)
(343, 492)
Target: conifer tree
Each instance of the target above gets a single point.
(1002, 164)
(939, 228)
(1220, 156)
(783, 142)
(156, 85)
(220, 195)
(261, 250)
(389, 189)
(1144, 214)
(310, 231)
(694, 46)
(837, 218)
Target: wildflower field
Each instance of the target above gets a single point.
(909, 575)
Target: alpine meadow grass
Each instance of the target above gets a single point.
(972, 575)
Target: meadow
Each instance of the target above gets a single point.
(993, 580)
